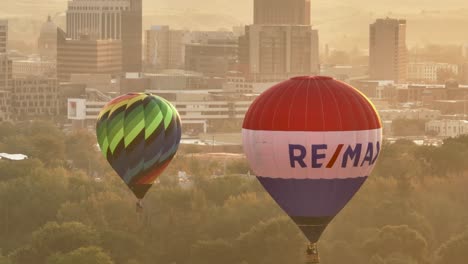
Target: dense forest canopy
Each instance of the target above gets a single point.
(65, 205)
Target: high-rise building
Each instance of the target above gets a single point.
(164, 48)
(5, 106)
(132, 37)
(110, 20)
(289, 12)
(275, 52)
(100, 19)
(281, 42)
(47, 42)
(6, 72)
(387, 50)
(3, 36)
(87, 55)
(213, 58)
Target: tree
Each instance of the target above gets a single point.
(408, 127)
(4, 259)
(398, 239)
(454, 250)
(62, 238)
(275, 241)
(84, 255)
(81, 150)
(122, 246)
(215, 251)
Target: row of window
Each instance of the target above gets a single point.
(91, 8)
(461, 129)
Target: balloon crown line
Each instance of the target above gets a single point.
(317, 77)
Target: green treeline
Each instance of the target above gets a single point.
(65, 205)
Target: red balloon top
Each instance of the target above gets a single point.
(312, 103)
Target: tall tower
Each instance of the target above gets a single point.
(281, 43)
(5, 63)
(3, 35)
(387, 50)
(132, 37)
(290, 12)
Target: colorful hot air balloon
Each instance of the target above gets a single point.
(139, 134)
(312, 142)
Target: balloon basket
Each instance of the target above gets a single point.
(312, 254)
(139, 206)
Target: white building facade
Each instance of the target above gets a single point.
(428, 71)
(447, 128)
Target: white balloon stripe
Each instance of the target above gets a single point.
(312, 155)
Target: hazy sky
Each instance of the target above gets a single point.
(241, 9)
(342, 23)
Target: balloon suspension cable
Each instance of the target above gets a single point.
(312, 254)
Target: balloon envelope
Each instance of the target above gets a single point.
(312, 142)
(139, 135)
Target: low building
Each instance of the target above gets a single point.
(447, 128)
(417, 114)
(134, 83)
(199, 109)
(182, 80)
(429, 71)
(34, 67)
(106, 83)
(237, 83)
(376, 89)
(70, 90)
(344, 72)
(448, 107)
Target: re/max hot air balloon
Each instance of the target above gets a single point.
(312, 142)
(139, 134)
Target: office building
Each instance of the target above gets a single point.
(213, 59)
(387, 50)
(164, 48)
(275, 52)
(3, 35)
(89, 56)
(5, 106)
(289, 12)
(6, 71)
(34, 67)
(110, 20)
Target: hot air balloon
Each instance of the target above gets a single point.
(139, 134)
(312, 142)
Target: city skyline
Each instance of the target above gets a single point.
(178, 131)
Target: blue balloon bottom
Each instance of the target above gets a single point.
(312, 203)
